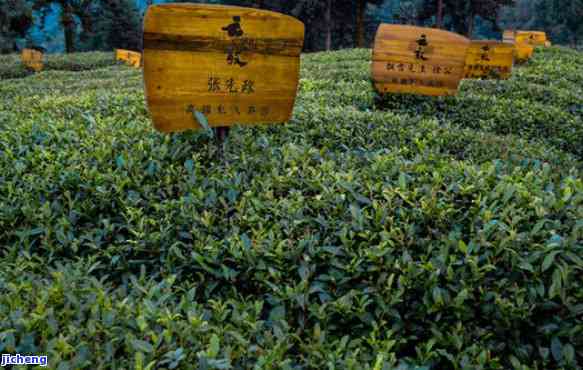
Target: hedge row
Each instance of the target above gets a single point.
(404, 233)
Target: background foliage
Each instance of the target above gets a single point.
(408, 233)
(68, 25)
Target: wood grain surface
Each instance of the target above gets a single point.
(132, 58)
(416, 60)
(523, 50)
(534, 38)
(32, 59)
(489, 60)
(232, 64)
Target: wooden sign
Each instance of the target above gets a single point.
(416, 60)
(132, 58)
(534, 38)
(231, 64)
(523, 50)
(32, 59)
(489, 60)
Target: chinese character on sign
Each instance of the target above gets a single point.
(248, 87)
(422, 43)
(214, 84)
(232, 86)
(235, 31)
(485, 52)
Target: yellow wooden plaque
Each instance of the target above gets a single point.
(32, 59)
(232, 64)
(489, 60)
(416, 60)
(523, 52)
(132, 58)
(534, 38)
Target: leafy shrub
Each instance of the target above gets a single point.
(11, 67)
(409, 233)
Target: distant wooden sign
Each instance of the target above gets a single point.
(523, 50)
(132, 58)
(416, 60)
(32, 59)
(232, 64)
(534, 38)
(489, 60)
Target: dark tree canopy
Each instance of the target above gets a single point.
(15, 21)
(460, 16)
(330, 24)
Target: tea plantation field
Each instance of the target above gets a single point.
(408, 233)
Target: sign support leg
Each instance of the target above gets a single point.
(221, 134)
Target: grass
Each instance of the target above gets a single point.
(402, 233)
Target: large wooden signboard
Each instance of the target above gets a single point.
(415, 60)
(489, 60)
(132, 58)
(32, 59)
(232, 64)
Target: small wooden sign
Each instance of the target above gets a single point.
(416, 60)
(523, 50)
(231, 64)
(32, 59)
(131, 58)
(489, 60)
(534, 38)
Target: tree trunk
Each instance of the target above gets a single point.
(329, 25)
(439, 20)
(69, 28)
(360, 23)
(471, 25)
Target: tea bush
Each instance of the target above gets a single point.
(395, 233)
(10, 66)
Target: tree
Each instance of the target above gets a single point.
(560, 19)
(408, 12)
(116, 25)
(15, 21)
(439, 17)
(461, 15)
(70, 10)
(360, 19)
(328, 24)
